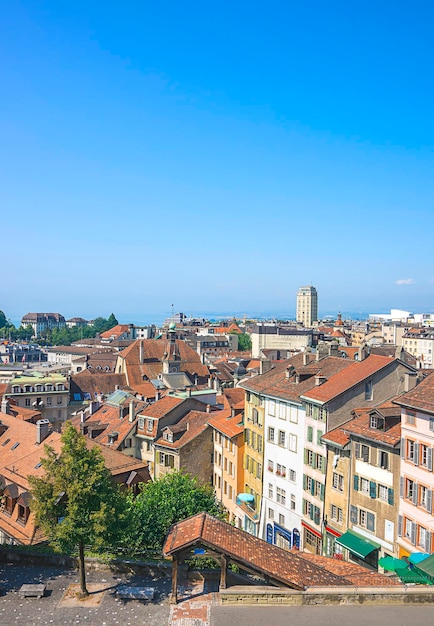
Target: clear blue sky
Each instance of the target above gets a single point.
(215, 155)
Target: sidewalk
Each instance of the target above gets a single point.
(194, 604)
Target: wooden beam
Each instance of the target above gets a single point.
(223, 565)
(175, 563)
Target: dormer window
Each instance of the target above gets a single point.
(168, 436)
(49, 387)
(376, 422)
(28, 388)
(39, 388)
(149, 425)
(60, 387)
(16, 389)
(141, 423)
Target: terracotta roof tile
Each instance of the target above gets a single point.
(19, 462)
(276, 384)
(354, 374)
(420, 397)
(191, 425)
(294, 569)
(153, 351)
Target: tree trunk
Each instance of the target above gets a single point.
(81, 570)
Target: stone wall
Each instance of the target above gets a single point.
(325, 596)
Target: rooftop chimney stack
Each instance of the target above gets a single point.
(131, 411)
(5, 406)
(410, 380)
(42, 430)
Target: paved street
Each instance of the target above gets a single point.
(110, 611)
(324, 615)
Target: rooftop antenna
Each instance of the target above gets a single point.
(173, 316)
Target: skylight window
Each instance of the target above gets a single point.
(15, 445)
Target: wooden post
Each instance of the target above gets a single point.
(175, 563)
(223, 565)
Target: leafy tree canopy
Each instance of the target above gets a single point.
(165, 501)
(244, 342)
(76, 504)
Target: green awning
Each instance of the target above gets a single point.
(408, 575)
(357, 544)
(426, 566)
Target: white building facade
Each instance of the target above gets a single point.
(281, 511)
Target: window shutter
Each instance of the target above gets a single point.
(428, 542)
(429, 500)
(353, 514)
(401, 487)
(373, 489)
(304, 481)
(413, 533)
(312, 487)
(357, 450)
(414, 496)
(305, 456)
(322, 492)
(317, 515)
(399, 525)
(370, 518)
(429, 459)
(311, 512)
(402, 448)
(310, 433)
(390, 496)
(318, 437)
(416, 453)
(356, 482)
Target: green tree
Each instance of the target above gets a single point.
(76, 504)
(112, 321)
(165, 501)
(101, 324)
(3, 320)
(244, 342)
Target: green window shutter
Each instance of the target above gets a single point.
(373, 489)
(319, 434)
(312, 511)
(304, 481)
(312, 487)
(310, 434)
(356, 482)
(322, 492)
(305, 456)
(391, 496)
(316, 515)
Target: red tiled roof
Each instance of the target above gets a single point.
(354, 374)
(337, 436)
(115, 332)
(360, 426)
(161, 407)
(96, 383)
(275, 383)
(19, 462)
(192, 425)
(294, 569)
(153, 352)
(420, 397)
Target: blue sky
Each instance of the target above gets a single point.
(215, 155)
